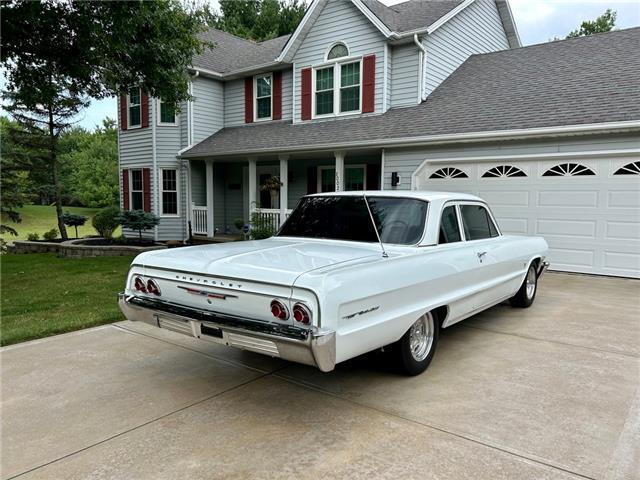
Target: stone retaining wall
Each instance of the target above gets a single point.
(72, 249)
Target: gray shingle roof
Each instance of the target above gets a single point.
(231, 53)
(411, 14)
(571, 82)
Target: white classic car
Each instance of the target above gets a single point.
(346, 274)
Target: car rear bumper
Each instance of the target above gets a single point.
(313, 346)
(542, 268)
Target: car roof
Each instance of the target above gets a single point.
(427, 195)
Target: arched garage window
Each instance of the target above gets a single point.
(449, 172)
(632, 168)
(568, 170)
(503, 171)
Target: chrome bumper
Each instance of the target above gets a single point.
(543, 268)
(315, 347)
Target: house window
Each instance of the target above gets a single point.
(339, 50)
(263, 97)
(448, 172)
(503, 171)
(136, 192)
(632, 168)
(355, 178)
(167, 113)
(169, 191)
(568, 170)
(350, 87)
(324, 91)
(134, 108)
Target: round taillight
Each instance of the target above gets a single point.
(279, 310)
(301, 313)
(152, 287)
(139, 285)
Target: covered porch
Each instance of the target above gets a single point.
(226, 193)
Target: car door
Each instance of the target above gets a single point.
(486, 245)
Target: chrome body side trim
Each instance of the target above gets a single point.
(311, 346)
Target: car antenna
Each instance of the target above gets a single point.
(375, 229)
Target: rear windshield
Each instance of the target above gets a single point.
(398, 220)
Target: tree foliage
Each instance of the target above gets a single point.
(604, 23)
(59, 54)
(259, 19)
(138, 220)
(106, 221)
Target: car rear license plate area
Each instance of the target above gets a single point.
(210, 331)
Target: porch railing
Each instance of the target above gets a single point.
(199, 217)
(271, 216)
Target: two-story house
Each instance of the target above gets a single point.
(423, 94)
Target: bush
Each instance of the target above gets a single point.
(238, 223)
(73, 220)
(138, 220)
(106, 221)
(261, 227)
(33, 237)
(50, 235)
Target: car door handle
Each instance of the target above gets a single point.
(481, 254)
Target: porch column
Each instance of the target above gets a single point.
(252, 185)
(339, 155)
(209, 176)
(284, 189)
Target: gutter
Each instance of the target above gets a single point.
(418, 141)
(421, 59)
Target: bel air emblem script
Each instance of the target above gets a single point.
(204, 293)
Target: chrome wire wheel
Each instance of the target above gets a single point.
(421, 337)
(531, 282)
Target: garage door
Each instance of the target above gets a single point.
(588, 211)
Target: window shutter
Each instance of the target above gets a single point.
(312, 180)
(277, 95)
(123, 112)
(248, 100)
(125, 189)
(146, 187)
(373, 176)
(144, 109)
(305, 90)
(368, 84)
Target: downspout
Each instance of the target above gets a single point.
(189, 145)
(423, 52)
(156, 173)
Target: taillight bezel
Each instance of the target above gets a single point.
(304, 313)
(153, 288)
(139, 285)
(282, 312)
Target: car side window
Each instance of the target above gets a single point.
(477, 222)
(449, 227)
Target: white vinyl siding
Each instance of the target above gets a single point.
(477, 29)
(340, 21)
(404, 75)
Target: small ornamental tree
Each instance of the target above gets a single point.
(106, 221)
(73, 220)
(138, 220)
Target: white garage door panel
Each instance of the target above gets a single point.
(591, 223)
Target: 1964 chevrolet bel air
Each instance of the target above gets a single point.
(346, 274)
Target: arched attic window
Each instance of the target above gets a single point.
(339, 50)
(449, 172)
(568, 170)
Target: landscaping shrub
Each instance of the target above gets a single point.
(73, 220)
(139, 221)
(50, 235)
(106, 221)
(261, 227)
(33, 237)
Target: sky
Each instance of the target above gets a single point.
(537, 21)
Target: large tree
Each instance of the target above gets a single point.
(58, 55)
(604, 23)
(259, 19)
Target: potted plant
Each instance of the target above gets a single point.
(272, 185)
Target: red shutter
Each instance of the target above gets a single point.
(368, 83)
(123, 112)
(125, 189)
(305, 90)
(277, 95)
(312, 180)
(146, 187)
(248, 100)
(144, 109)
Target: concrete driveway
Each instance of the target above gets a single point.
(548, 392)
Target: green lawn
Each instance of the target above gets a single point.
(42, 218)
(44, 295)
